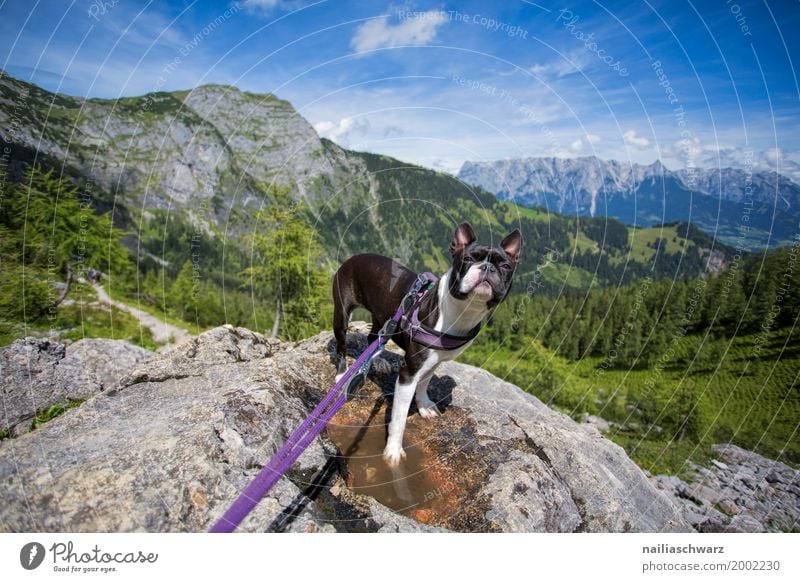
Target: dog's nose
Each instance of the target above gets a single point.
(488, 267)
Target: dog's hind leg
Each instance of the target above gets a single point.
(342, 307)
(425, 406)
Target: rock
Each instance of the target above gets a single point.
(39, 373)
(751, 492)
(599, 423)
(178, 438)
(746, 524)
(729, 507)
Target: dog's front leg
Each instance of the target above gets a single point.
(403, 393)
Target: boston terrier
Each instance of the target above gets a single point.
(478, 280)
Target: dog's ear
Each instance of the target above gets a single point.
(463, 236)
(512, 245)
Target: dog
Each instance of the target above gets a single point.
(478, 280)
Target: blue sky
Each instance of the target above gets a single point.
(437, 83)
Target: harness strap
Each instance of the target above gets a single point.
(427, 336)
(437, 340)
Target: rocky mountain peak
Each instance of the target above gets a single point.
(645, 195)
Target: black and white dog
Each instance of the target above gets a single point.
(478, 280)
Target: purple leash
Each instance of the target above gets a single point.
(316, 422)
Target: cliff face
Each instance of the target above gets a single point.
(209, 152)
(170, 445)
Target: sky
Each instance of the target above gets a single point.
(692, 83)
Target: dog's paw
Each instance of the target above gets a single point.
(427, 408)
(393, 455)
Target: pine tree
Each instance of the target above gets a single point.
(286, 264)
(183, 294)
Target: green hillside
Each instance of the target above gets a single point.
(413, 210)
(712, 391)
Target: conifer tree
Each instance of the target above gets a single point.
(286, 263)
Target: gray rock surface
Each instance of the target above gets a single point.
(176, 440)
(741, 492)
(36, 374)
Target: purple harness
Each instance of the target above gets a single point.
(426, 336)
(322, 414)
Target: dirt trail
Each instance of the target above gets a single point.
(162, 331)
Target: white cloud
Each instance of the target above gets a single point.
(633, 140)
(265, 5)
(593, 139)
(341, 131)
(576, 146)
(379, 32)
(562, 66)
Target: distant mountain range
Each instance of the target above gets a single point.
(187, 166)
(718, 200)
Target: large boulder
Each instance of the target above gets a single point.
(175, 441)
(37, 373)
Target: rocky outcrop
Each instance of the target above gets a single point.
(172, 444)
(740, 491)
(36, 374)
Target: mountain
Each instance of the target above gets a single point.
(189, 169)
(210, 152)
(718, 200)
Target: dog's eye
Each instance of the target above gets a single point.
(469, 259)
(505, 266)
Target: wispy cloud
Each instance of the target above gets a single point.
(260, 4)
(381, 33)
(568, 64)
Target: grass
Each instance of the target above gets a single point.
(76, 322)
(81, 319)
(583, 243)
(667, 417)
(48, 414)
(565, 273)
(641, 241)
(514, 211)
